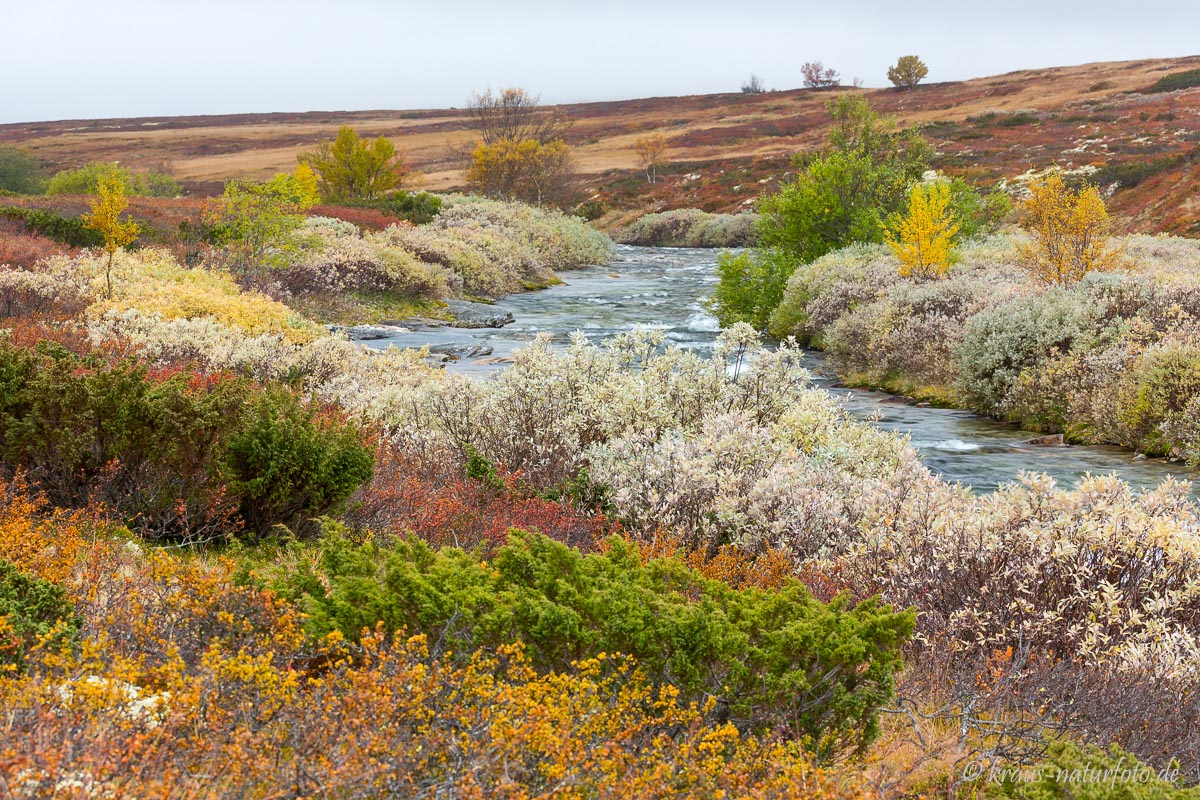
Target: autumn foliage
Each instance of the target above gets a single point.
(181, 677)
(445, 507)
(351, 168)
(105, 218)
(1069, 232)
(526, 169)
(923, 239)
(650, 151)
(177, 455)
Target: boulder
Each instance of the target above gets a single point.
(362, 333)
(477, 315)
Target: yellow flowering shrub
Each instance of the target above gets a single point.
(152, 281)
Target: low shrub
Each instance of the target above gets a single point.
(691, 227)
(480, 247)
(1127, 174)
(31, 610)
(462, 256)
(65, 230)
(42, 542)
(1175, 81)
(230, 723)
(20, 171)
(430, 498)
(346, 261)
(22, 248)
(999, 343)
(1086, 773)
(558, 241)
(152, 282)
(418, 208)
(368, 219)
(766, 656)
(85, 179)
(290, 461)
(750, 288)
(1084, 359)
(1046, 611)
(177, 455)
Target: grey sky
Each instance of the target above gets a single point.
(65, 59)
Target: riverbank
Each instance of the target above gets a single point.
(366, 491)
(667, 286)
(690, 227)
(1114, 359)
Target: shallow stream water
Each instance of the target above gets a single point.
(663, 288)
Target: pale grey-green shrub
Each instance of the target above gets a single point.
(690, 227)
(1001, 342)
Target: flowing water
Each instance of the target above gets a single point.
(663, 287)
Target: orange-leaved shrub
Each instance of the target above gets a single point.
(439, 502)
(396, 721)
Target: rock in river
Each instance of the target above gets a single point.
(477, 315)
(364, 333)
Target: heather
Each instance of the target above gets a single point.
(1106, 359)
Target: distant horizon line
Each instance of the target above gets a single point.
(578, 102)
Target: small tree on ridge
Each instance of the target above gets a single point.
(753, 85)
(818, 76)
(907, 72)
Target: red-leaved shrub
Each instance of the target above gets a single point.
(438, 503)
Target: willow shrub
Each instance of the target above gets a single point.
(690, 227)
(776, 658)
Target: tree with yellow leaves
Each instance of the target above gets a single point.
(923, 239)
(105, 217)
(527, 170)
(308, 188)
(1069, 232)
(650, 151)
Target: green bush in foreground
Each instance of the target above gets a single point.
(30, 608)
(1085, 773)
(178, 456)
(288, 462)
(766, 657)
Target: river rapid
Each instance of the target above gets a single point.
(663, 288)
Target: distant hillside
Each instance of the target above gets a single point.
(726, 149)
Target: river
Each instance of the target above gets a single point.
(663, 288)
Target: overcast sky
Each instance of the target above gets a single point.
(68, 59)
